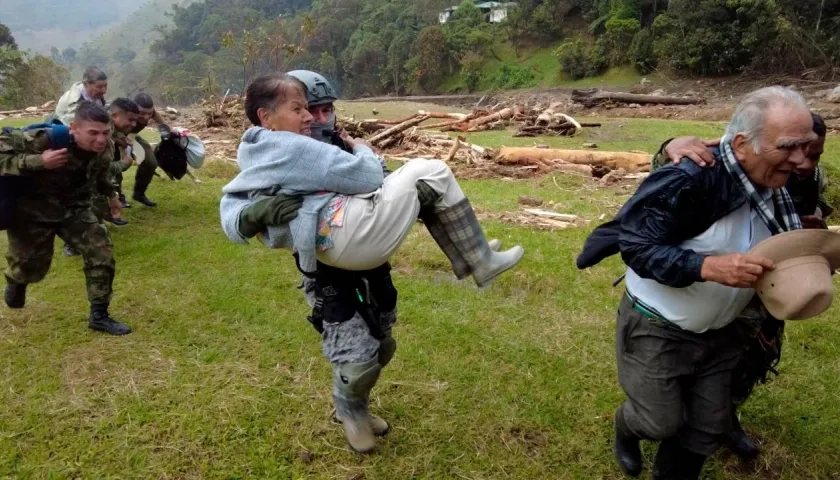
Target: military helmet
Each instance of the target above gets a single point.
(318, 89)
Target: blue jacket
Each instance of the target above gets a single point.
(293, 164)
(673, 204)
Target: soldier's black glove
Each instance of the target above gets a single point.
(274, 211)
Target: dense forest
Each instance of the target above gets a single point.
(398, 46)
(372, 47)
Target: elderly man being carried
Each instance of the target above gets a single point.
(684, 236)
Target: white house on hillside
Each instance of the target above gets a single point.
(443, 16)
(494, 12)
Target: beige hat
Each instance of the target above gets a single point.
(801, 285)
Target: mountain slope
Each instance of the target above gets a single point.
(62, 24)
(123, 50)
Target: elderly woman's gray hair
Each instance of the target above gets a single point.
(93, 75)
(750, 115)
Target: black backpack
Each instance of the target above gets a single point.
(11, 186)
(171, 158)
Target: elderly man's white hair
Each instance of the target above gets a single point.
(750, 115)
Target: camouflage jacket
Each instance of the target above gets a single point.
(58, 194)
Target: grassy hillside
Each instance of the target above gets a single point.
(532, 67)
(134, 33)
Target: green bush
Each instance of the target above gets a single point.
(579, 60)
(618, 39)
(471, 64)
(642, 52)
(513, 77)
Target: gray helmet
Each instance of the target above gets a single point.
(318, 89)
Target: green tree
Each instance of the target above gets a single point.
(35, 79)
(69, 55)
(432, 61)
(124, 55)
(6, 38)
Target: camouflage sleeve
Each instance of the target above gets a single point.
(20, 153)
(659, 158)
(104, 176)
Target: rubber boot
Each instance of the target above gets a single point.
(626, 447)
(495, 244)
(741, 444)
(101, 321)
(379, 426)
(15, 294)
(673, 462)
(352, 383)
(465, 234)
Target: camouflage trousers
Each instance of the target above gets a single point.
(101, 207)
(145, 170)
(350, 341)
(30, 252)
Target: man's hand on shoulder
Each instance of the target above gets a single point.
(739, 270)
(54, 158)
(813, 222)
(692, 147)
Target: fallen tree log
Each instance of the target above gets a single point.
(452, 151)
(503, 114)
(630, 162)
(397, 129)
(591, 98)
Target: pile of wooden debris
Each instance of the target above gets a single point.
(227, 111)
(45, 109)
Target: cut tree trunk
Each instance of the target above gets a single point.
(503, 114)
(591, 98)
(630, 162)
(390, 132)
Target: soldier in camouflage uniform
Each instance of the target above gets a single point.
(763, 333)
(146, 170)
(57, 187)
(124, 114)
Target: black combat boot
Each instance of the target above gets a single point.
(741, 444)
(15, 294)
(673, 462)
(101, 321)
(123, 202)
(142, 198)
(626, 447)
(70, 251)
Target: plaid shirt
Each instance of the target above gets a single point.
(781, 199)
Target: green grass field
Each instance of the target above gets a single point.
(223, 376)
